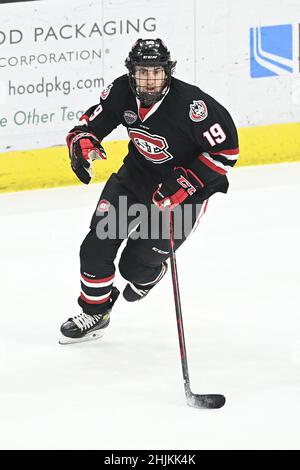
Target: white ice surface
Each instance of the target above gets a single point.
(239, 279)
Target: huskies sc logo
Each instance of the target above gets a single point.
(152, 147)
(198, 111)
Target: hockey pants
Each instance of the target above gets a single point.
(118, 218)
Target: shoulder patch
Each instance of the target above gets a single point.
(198, 111)
(106, 91)
(130, 116)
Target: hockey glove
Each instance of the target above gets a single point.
(83, 149)
(172, 192)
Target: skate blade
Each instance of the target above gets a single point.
(89, 337)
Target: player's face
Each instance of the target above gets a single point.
(150, 79)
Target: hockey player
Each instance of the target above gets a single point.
(182, 144)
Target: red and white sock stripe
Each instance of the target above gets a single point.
(95, 299)
(101, 282)
(94, 290)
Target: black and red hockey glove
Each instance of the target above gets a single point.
(83, 149)
(172, 192)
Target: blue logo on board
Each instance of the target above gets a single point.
(271, 50)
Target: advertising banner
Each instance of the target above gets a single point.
(56, 57)
(248, 58)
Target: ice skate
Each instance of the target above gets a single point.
(86, 327)
(134, 292)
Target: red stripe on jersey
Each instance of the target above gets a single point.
(211, 165)
(205, 206)
(98, 281)
(97, 302)
(202, 212)
(227, 152)
(84, 117)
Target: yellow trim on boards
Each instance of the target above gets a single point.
(45, 168)
(50, 167)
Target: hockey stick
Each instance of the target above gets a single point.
(193, 399)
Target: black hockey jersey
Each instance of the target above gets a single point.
(187, 128)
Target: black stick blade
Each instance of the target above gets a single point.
(205, 401)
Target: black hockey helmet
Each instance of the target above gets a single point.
(149, 53)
